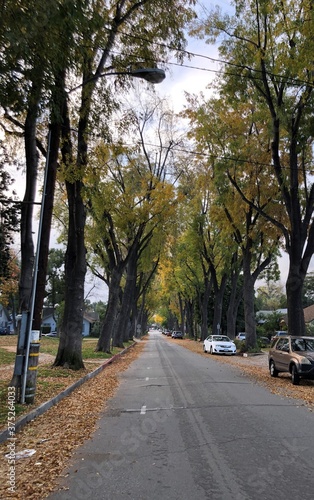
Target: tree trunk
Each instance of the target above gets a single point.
(70, 346)
(248, 298)
(27, 245)
(219, 295)
(57, 104)
(294, 289)
(107, 328)
(204, 308)
(182, 315)
(233, 305)
(189, 312)
(128, 293)
(46, 223)
(249, 279)
(232, 313)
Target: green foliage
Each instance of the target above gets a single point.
(308, 290)
(9, 215)
(272, 323)
(270, 297)
(55, 277)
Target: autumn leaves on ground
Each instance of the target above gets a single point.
(58, 432)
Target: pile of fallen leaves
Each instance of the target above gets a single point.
(55, 434)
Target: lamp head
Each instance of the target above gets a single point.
(151, 75)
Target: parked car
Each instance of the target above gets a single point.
(50, 334)
(293, 355)
(263, 341)
(4, 330)
(219, 344)
(168, 333)
(177, 335)
(241, 336)
(279, 333)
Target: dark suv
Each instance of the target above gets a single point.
(177, 335)
(293, 355)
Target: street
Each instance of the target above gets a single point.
(183, 426)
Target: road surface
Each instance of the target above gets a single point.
(186, 427)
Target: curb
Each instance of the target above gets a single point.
(22, 421)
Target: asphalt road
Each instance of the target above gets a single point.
(186, 427)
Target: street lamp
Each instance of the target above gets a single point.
(151, 75)
(22, 366)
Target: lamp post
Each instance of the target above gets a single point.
(22, 364)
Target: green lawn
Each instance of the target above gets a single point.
(49, 345)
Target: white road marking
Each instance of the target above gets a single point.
(143, 410)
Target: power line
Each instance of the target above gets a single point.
(292, 81)
(217, 157)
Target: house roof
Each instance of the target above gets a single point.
(91, 316)
(309, 314)
(47, 311)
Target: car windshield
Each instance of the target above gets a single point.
(221, 338)
(302, 345)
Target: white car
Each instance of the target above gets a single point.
(219, 344)
(241, 336)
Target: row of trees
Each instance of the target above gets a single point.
(256, 136)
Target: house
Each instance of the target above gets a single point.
(309, 315)
(89, 319)
(261, 316)
(50, 320)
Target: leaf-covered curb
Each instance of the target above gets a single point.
(4, 435)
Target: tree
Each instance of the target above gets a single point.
(271, 46)
(130, 205)
(29, 71)
(270, 296)
(224, 129)
(55, 278)
(9, 218)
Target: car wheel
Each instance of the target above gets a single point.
(204, 349)
(211, 350)
(272, 369)
(295, 377)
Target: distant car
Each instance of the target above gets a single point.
(219, 344)
(51, 334)
(294, 355)
(241, 336)
(279, 333)
(177, 335)
(263, 341)
(168, 333)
